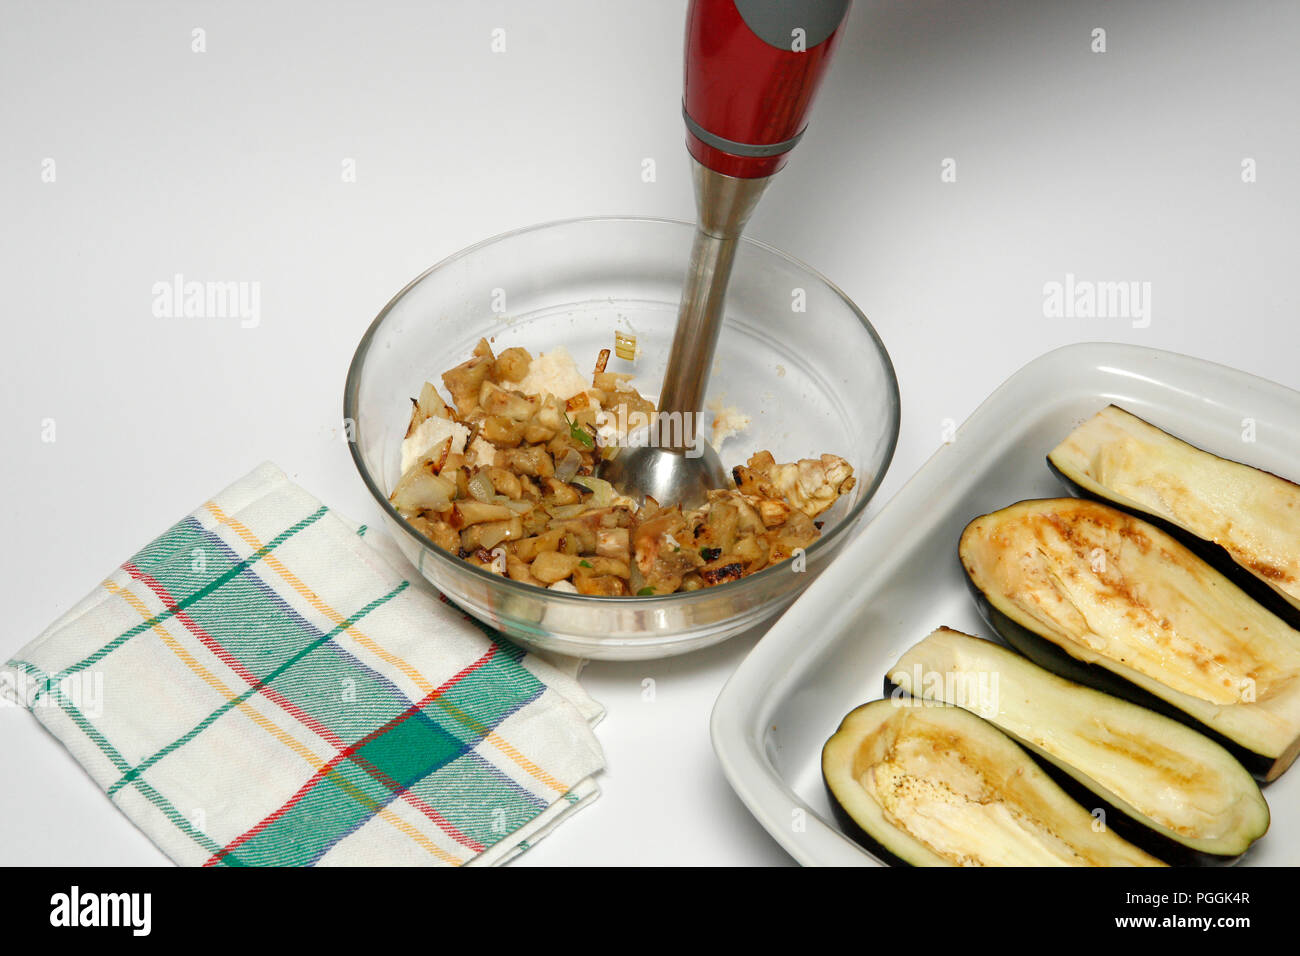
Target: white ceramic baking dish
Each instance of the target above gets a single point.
(900, 578)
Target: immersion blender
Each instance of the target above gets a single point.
(752, 69)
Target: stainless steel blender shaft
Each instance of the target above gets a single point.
(724, 205)
(684, 469)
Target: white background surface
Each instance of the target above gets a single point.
(226, 166)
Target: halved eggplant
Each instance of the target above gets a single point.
(922, 784)
(1242, 520)
(1108, 600)
(1164, 787)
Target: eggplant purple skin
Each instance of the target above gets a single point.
(850, 828)
(1215, 555)
(854, 831)
(1163, 848)
(1051, 657)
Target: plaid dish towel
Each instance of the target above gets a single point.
(258, 687)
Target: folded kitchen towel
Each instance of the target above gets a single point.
(257, 686)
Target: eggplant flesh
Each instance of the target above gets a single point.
(1242, 520)
(930, 785)
(1163, 786)
(1070, 581)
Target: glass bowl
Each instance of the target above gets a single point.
(795, 355)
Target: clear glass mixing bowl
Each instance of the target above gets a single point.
(795, 355)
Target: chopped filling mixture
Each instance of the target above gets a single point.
(504, 477)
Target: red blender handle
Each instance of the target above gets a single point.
(752, 70)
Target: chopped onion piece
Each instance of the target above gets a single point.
(603, 492)
(568, 466)
(421, 490)
(625, 346)
(480, 486)
(564, 512)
